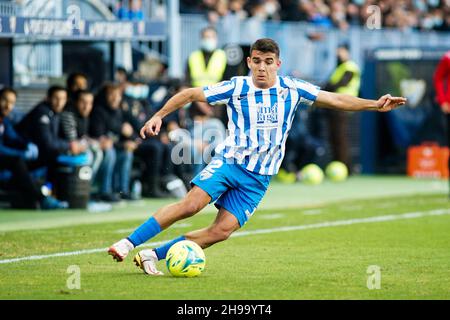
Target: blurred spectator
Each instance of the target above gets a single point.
(152, 155)
(345, 79)
(206, 133)
(108, 124)
(405, 15)
(76, 81)
(130, 10)
(206, 65)
(442, 87)
(15, 151)
(75, 125)
(121, 78)
(237, 8)
(42, 125)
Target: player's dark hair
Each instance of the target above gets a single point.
(265, 45)
(6, 90)
(79, 93)
(53, 89)
(72, 77)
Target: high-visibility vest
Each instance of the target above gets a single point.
(202, 75)
(352, 88)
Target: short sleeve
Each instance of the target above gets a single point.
(307, 91)
(219, 93)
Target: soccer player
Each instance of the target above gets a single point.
(260, 111)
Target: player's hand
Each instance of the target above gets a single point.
(445, 107)
(151, 127)
(388, 103)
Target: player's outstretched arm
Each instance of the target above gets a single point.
(151, 127)
(346, 102)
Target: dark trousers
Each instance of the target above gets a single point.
(158, 162)
(156, 158)
(338, 136)
(21, 179)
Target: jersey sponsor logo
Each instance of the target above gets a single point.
(267, 116)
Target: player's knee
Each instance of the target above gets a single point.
(190, 208)
(219, 234)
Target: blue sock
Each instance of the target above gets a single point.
(161, 251)
(145, 231)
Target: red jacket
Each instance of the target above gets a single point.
(442, 80)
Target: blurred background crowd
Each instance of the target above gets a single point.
(83, 136)
(404, 14)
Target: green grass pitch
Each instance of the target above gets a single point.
(302, 243)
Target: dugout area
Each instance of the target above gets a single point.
(386, 137)
(36, 53)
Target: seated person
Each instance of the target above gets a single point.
(15, 151)
(75, 125)
(42, 125)
(109, 124)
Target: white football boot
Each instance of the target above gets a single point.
(146, 260)
(120, 249)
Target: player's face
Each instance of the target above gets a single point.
(7, 103)
(264, 67)
(58, 101)
(84, 105)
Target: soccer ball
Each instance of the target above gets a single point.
(336, 171)
(311, 174)
(185, 259)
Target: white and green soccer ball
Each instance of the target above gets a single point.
(311, 174)
(336, 171)
(185, 259)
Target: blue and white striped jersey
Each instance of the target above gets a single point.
(259, 120)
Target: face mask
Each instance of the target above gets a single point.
(271, 8)
(137, 92)
(209, 45)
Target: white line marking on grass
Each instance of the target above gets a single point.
(354, 208)
(411, 215)
(391, 217)
(312, 212)
(272, 216)
(70, 253)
